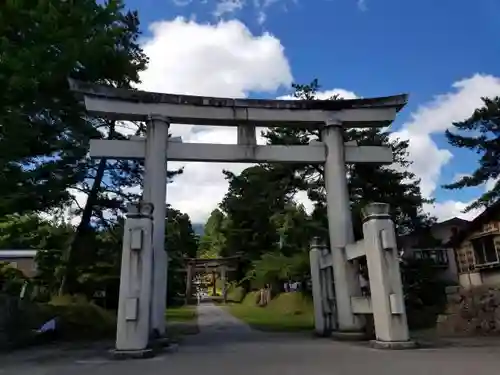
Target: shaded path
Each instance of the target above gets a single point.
(227, 346)
(214, 320)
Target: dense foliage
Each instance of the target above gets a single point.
(394, 184)
(480, 133)
(213, 241)
(100, 270)
(424, 292)
(181, 242)
(45, 135)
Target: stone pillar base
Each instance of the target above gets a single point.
(132, 354)
(348, 335)
(393, 345)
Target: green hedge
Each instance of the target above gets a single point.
(77, 318)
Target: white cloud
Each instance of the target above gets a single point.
(302, 198)
(343, 94)
(324, 95)
(228, 8)
(217, 60)
(450, 209)
(202, 185)
(490, 184)
(226, 60)
(224, 7)
(262, 7)
(362, 6)
(434, 118)
(182, 3)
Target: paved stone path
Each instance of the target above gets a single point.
(215, 321)
(226, 346)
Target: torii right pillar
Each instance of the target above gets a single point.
(345, 273)
(386, 287)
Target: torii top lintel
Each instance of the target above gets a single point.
(213, 262)
(125, 104)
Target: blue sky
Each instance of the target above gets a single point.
(443, 53)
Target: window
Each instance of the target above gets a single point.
(437, 256)
(484, 250)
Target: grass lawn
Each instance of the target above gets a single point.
(287, 313)
(186, 313)
(181, 321)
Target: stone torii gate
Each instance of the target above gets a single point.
(222, 265)
(160, 110)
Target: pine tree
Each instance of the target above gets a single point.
(44, 132)
(368, 183)
(483, 129)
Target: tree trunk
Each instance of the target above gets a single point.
(76, 251)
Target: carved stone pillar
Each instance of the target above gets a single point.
(133, 322)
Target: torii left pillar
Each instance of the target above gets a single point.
(155, 191)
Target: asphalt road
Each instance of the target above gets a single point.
(226, 346)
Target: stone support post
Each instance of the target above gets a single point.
(155, 190)
(223, 277)
(246, 135)
(320, 327)
(329, 308)
(340, 228)
(189, 282)
(386, 288)
(134, 306)
(214, 286)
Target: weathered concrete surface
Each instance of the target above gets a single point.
(224, 346)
